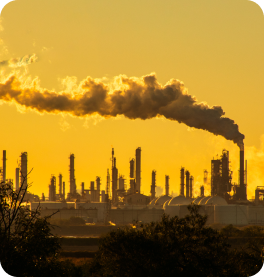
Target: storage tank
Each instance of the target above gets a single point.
(197, 200)
(204, 200)
(209, 212)
(231, 214)
(172, 210)
(180, 200)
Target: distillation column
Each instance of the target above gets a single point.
(167, 186)
(153, 184)
(182, 181)
(187, 174)
(138, 169)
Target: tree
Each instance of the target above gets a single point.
(172, 247)
(27, 244)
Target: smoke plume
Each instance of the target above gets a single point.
(142, 98)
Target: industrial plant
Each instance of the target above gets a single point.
(121, 201)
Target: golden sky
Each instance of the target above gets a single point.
(59, 47)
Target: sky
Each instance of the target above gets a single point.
(84, 77)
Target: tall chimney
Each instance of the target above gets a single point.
(138, 169)
(182, 182)
(191, 186)
(167, 184)
(17, 178)
(63, 190)
(4, 166)
(243, 189)
(60, 185)
(153, 184)
(202, 191)
(187, 173)
(72, 175)
(23, 170)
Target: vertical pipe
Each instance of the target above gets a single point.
(4, 166)
(187, 174)
(17, 179)
(153, 184)
(182, 181)
(167, 185)
(82, 185)
(60, 185)
(63, 190)
(23, 170)
(138, 169)
(191, 186)
(72, 175)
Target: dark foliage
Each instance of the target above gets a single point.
(28, 247)
(172, 247)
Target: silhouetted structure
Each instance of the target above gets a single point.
(153, 185)
(4, 166)
(182, 181)
(187, 174)
(23, 169)
(221, 176)
(52, 188)
(72, 176)
(114, 178)
(138, 169)
(17, 178)
(167, 186)
(191, 186)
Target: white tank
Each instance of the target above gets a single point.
(209, 211)
(231, 214)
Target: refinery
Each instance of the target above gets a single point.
(121, 201)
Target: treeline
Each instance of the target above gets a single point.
(172, 247)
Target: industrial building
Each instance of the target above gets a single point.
(226, 204)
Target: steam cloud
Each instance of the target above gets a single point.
(19, 62)
(142, 98)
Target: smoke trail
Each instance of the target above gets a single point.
(142, 98)
(19, 62)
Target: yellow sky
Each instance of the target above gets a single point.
(214, 47)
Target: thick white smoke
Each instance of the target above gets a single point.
(142, 98)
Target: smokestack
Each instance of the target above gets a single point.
(17, 179)
(60, 185)
(92, 185)
(132, 168)
(167, 188)
(98, 188)
(138, 169)
(114, 178)
(182, 181)
(82, 186)
(72, 176)
(153, 184)
(191, 186)
(243, 189)
(63, 190)
(23, 170)
(187, 173)
(4, 166)
(202, 191)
